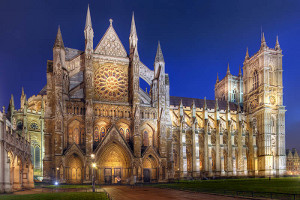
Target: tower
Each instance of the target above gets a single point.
(263, 103)
(230, 88)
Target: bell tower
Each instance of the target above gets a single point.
(263, 103)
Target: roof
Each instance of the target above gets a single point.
(72, 53)
(175, 101)
(43, 91)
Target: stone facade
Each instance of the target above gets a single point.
(94, 105)
(16, 170)
(292, 162)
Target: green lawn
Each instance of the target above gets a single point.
(57, 196)
(279, 185)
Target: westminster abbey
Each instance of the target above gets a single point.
(93, 116)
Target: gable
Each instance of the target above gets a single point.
(110, 44)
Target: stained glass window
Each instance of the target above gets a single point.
(122, 131)
(111, 83)
(96, 134)
(127, 134)
(102, 133)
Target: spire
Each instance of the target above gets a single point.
(240, 71)
(217, 78)
(277, 46)
(228, 70)
(59, 41)
(133, 34)
(133, 27)
(263, 41)
(12, 102)
(159, 56)
(247, 54)
(23, 91)
(88, 21)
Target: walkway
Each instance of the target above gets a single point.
(138, 193)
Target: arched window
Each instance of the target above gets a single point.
(233, 95)
(255, 79)
(122, 132)
(146, 138)
(102, 132)
(37, 157)
(82, 136)
(96, 134)
(127, 134)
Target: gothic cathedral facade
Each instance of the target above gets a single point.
(92, 110)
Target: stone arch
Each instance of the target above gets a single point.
(150, 168)
(76, 132)
(17, 173)
(148, 135)
(113, 160)
(74, 169)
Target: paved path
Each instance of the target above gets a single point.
(149, 193)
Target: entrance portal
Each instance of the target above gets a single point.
(147, 176)
(114, 165)
(107, 176)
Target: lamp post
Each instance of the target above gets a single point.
(93, 173)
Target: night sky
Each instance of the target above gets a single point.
(198, 39)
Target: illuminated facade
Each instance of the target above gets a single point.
(94, 105)
(292, 162)
(16, 169)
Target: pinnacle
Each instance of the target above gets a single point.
(247, 54)
(159, 56)
(110, 22)
(228, 70)
(88, 21)
(133, 27)
(59, 41)
(263, 41)
(277, 46)
(217, 78)
(240, 71)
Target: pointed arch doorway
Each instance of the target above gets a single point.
(114, 165)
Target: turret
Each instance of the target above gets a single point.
(88, 33)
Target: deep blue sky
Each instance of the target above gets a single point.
(198, 38)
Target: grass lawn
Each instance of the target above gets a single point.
(57, 196)
(279, 185)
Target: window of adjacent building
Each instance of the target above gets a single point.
(35, 154)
